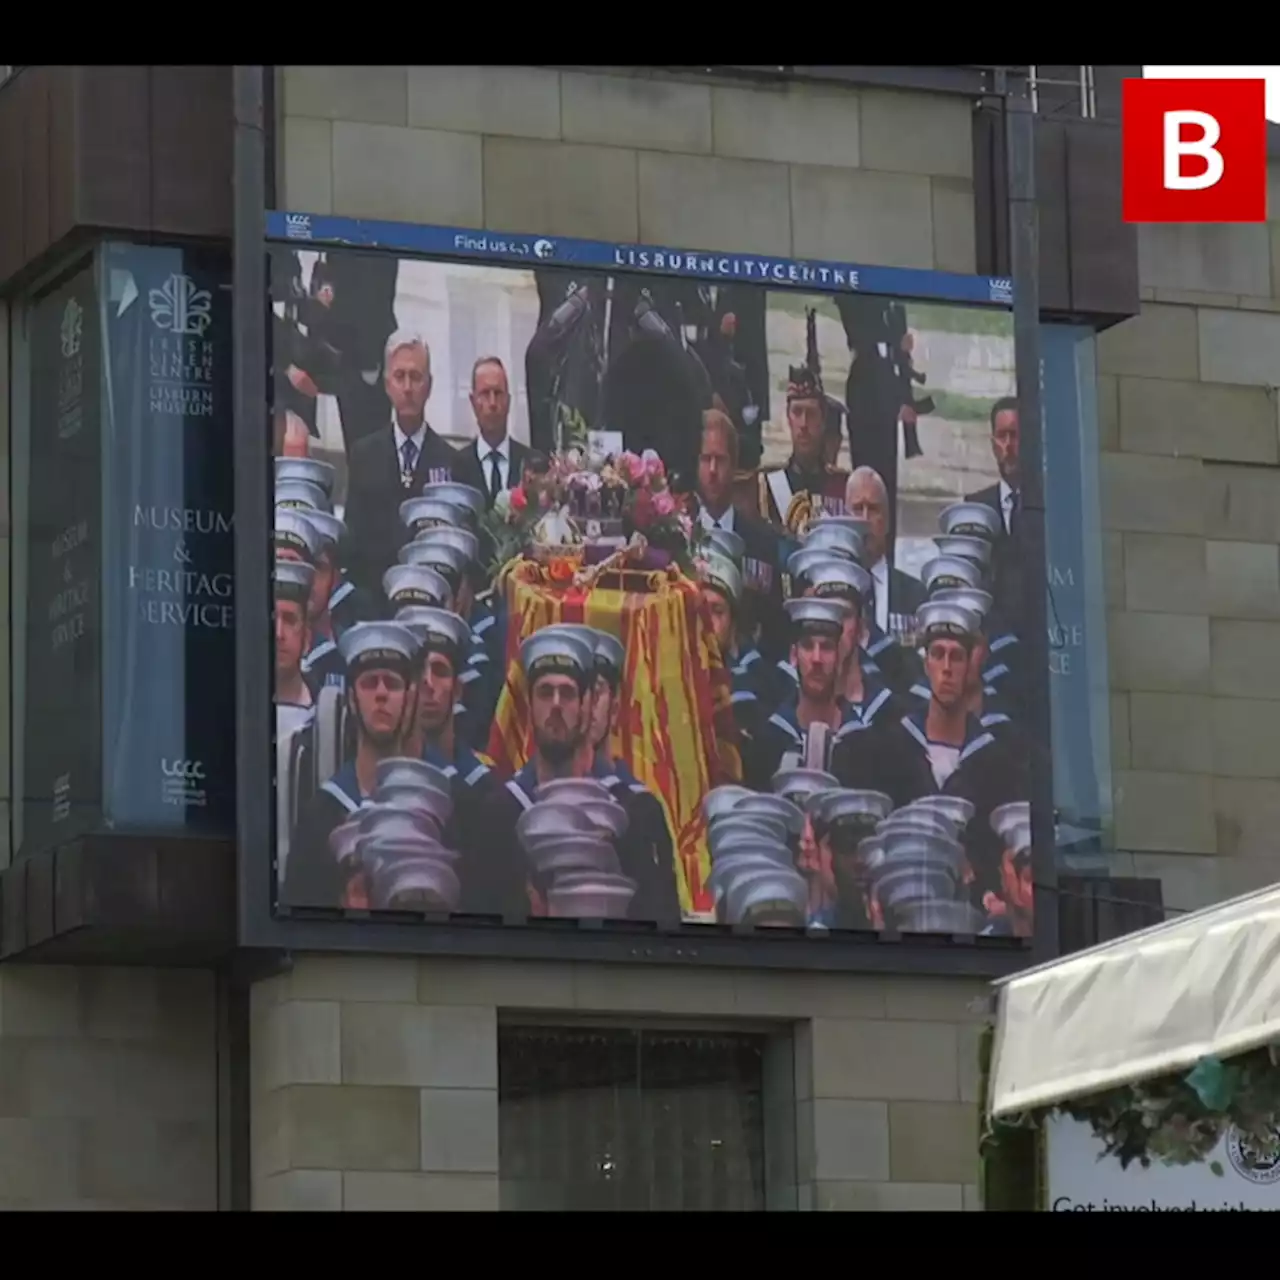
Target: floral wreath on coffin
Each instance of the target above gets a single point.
(549, 515)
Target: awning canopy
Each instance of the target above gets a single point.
(1144, 1005)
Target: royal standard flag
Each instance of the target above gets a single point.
(675, 724)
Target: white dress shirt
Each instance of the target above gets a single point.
(401, 439)
(709, 522)
(1006, 503)
(880, 577)
(483, 451)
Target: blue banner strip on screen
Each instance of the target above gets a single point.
(751, 268)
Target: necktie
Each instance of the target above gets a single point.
(495, 475)
(409, 459)
(1015, 509)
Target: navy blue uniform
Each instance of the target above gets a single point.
(645, 853)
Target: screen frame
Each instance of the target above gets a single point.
(263, 923)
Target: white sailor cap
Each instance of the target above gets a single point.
(378, 644)
(841, 579)
(800, 563)
(457, 495)
(971, 520)
(611, 657)
(726, 543)
(936, 620)
(463, 539)
(437, 629)
(721, 574)
(330, 529)
(811, 614)
(416, 584)
(302, 494)
(552, 652)
(964, 547)
(294, 532)
(443, 557)
(417, 514)
(309, 470)
(293, 580)
(977, 602)
(946, 573)
(847, 540)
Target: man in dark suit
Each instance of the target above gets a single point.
(762, 580)
(1005, 499)
(897, 595)
(494, 461)
(393, 463)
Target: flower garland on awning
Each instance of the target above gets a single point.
(1176, 1119)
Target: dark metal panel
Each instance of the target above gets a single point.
(32, 91)
(1107, 82)
(1051, 202)
(14, 180)
(62, 150)
(1104, 248)
(254, 806)
(122, 898)
(991, 208)
(190, 132)
(1095, 909)
(13, 910)
(113, 147)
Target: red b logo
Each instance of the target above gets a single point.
(1195, 150)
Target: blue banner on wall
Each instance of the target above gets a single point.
(552, 251)
(1076, 604)
(168, 503)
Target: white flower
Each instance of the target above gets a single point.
(502, 504)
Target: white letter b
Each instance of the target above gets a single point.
(1176, 146)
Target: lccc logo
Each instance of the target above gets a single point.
(187, 770)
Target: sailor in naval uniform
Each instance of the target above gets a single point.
(560, 671)
(972, 531)
(940, 748)
(294, 475)
(297, 538)
(749, 674)
(996, 654)
(984, 698)
(453, 553)
(791, 495)
(336, 602)
(800, 732)
(382, 660)
(486, 871)
(864, 695)
(294, 703)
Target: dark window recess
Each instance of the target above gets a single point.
(617, 1119)
(1094, 909)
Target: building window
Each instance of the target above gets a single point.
(604, 1118)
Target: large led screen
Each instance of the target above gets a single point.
(619, 584)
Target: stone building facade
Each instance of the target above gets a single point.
(372, 1081)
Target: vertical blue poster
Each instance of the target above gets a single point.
(168, 503)
(60, 787)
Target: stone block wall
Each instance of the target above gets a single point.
(374, 1081)
(108, 1088)
(1190, 438)
(630, 154)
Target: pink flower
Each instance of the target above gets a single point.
(686, 525)
(653, 467)
(663, 503)
(632, 467)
